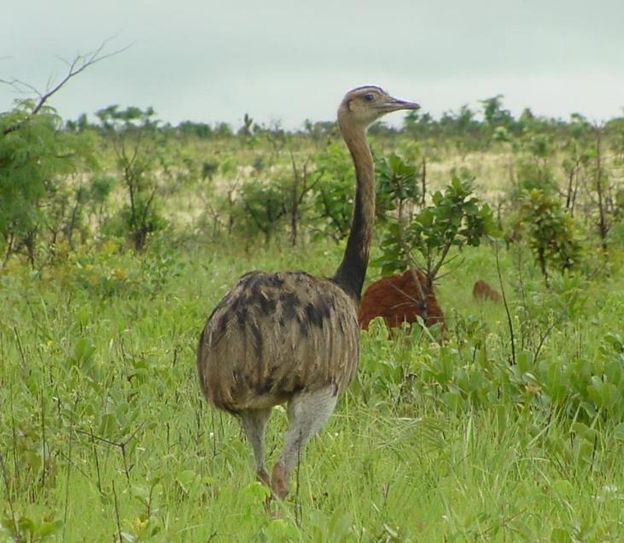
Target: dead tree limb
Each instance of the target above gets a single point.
(76, 66)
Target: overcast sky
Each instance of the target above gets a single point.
(287, 61)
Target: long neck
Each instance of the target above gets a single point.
(352, 270)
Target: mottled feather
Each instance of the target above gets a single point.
(276, 334)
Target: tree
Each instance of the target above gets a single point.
(245, 131)
(576, 159)
(333, 200)
(76, 66)
(551, 231)
(36, 157)
(297, 189)
(35, 160)
(398, 188)
(601, 188)
(261, 209)
(534, 170)
(199, 130)
(418, 125)
(455, 219)
(132, 132)
(494, 113)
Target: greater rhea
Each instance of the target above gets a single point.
(290, 336)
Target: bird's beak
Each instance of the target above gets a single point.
(394, 104)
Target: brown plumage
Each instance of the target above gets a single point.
(292, 337)
(287, 331)
(396, 300)
(483, 291)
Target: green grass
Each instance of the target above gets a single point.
(102, 428)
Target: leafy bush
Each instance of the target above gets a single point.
(551, 231)
(260, 209)
(398, 188)
(455, 219)
(36, 161)
(132, 132)
(333, 200)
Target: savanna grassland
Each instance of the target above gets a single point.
(119, 236)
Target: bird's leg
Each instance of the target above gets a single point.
(307, 413)
(254, 422)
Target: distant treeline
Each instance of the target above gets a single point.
(492, 121)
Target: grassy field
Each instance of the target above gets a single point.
(118, 238)
(104, 435)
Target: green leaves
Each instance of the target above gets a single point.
(552, 233)
(139, 152)
(261, 208)
(333, 199)
(456, 218)
(131, 117)
(36, 160)
(397, 184)
(30, 529)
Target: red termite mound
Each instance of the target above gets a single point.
(483, 291)
(397, 300)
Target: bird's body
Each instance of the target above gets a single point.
(292, 337)
(283, 333)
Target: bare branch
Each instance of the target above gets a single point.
(20, 86)
(441, 260)
(452, 270)
(413, 266)
(75, 67)
(507, 312)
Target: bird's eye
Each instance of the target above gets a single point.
(369, 97)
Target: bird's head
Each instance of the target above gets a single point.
(364, 105)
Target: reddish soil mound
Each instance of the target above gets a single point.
(396, 300)
(483, 291)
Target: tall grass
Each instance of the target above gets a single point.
(103, 435)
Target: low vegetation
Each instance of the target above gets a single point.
(119, 236)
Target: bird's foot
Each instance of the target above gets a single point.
(279, 481)
(263, 477)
